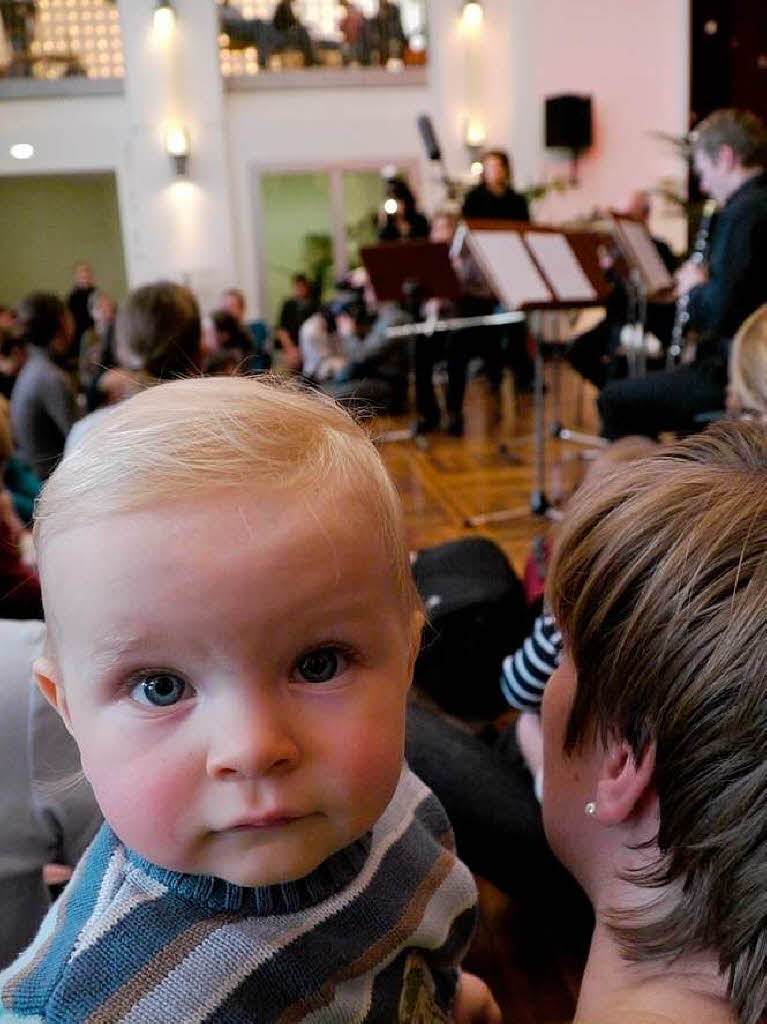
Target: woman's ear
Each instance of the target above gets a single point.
(623, 782)
(46, 676)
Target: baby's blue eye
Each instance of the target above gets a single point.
(321, 665)
(162, 690)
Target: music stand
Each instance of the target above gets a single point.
(537, 269)
(427, 265)
(640, 254)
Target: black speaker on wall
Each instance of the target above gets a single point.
(568, 122)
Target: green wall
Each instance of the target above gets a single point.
(50, 222)
(297, 224)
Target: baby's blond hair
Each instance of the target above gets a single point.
(204, 436)
(748, 364)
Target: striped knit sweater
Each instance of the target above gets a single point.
(376, 933)
(525, 673)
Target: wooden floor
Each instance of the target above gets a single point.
(455, 478)
(534, 977)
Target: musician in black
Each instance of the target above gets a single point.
(494, 199)
(730, 156)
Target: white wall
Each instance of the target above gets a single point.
(632, 59)
(70, 134)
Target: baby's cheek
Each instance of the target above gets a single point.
(367, 767)
(148, 804)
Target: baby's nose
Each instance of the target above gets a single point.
(255, 740)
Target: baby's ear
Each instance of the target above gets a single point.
(46, 676)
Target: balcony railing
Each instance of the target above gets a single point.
(57, 39)
(286, 35)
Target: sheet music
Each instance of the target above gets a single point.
(509, 267)
(561, 267)
(655, 277)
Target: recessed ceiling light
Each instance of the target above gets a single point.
(22, 151)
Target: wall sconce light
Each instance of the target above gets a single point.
(472, 15)
(177, 147)
(474, 136)
(164, 19)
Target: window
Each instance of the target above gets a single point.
(60, 39)
(276, 35)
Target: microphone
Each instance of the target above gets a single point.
(429, 139)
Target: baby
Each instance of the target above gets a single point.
(232, 626)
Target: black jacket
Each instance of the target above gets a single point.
(737, 283)
(481, 204)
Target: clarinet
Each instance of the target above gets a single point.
(698, 256)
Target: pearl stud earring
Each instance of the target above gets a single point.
(590, 809)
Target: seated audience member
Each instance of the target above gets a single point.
(19, 586)
(13, 355)
(747, 386)
(322, 358)
(158, 336)
(233, 301)
(377, 367)
(406, 221)
(264, 844)
(15, 476)
(97, 348)
(43, 400)
(48, 810)
(655, 730)
(226, 334)
(294, 311)
(223, 363)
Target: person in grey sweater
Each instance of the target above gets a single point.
(48, 810)
(43, 403)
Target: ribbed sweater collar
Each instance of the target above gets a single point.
(216, 895)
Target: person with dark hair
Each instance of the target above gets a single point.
(376, 370)
(229, 337)
(494, 198)
(405, 220)
(292, 33)
(43, 406)
(158, 336)
(386, 37)
(13, 354)
(294, 311)
(233, 301)
(730, 156)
